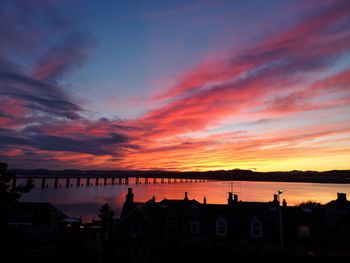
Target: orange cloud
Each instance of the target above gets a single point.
(202, 124)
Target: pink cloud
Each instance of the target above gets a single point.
(305, 40)
(275, 77)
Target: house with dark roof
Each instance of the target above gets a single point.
(38, 218)
(341, 203)
(235, 221)
(338, 217)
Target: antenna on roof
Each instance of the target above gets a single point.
(234, 186)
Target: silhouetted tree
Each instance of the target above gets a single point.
(9, 194)
(106, 216)
(309, 204)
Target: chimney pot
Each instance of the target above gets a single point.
(284, 203)
(129, 196)
(341, 197)
(186, 197)
(230, 199)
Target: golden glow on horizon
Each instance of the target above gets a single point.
(276, 101)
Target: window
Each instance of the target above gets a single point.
(303, 231)
(194, 227)
(256, 229)
(221, 227)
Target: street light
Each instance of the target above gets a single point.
(279, 192)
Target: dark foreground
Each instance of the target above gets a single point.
(76, 249)
(182, 231)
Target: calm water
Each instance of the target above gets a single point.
(86, 201)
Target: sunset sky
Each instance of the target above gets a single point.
(175, 85)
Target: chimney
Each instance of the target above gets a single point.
(284, 203)
(275, 199)
(230, 199)
(235, 198)
(129, 196)
(186, 198)
(341, 197)
(204, 200)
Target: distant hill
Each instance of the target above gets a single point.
(333, 176)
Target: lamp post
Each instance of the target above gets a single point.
(279, 192)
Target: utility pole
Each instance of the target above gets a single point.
(279, 192)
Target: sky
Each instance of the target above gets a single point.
(175, 85)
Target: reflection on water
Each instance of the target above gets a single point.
(86, 201)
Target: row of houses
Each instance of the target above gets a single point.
(307, 224)
(191, 219)
(145, 228)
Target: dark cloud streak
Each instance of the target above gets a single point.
(84, 144)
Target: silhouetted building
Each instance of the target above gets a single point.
(38, 218)
(253, 221)
(341, 203)
(250, 221)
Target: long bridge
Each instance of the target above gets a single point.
(79, 181)
(70, 178)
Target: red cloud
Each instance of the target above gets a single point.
(305, 40)
(275, 77)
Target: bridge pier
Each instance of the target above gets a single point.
(88, 181)
(162, 180)
(154, 180)
(169, 181)
(137, 180)
(43, 183)
(67, 182)
(113, 181)
(146, 180)
(97, 181)
(78, 181)
(126, 180)
(56, 182)
(120, 180)
(105, 181)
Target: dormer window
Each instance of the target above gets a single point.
(221, 227)
(194, 227)
(256, 229)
